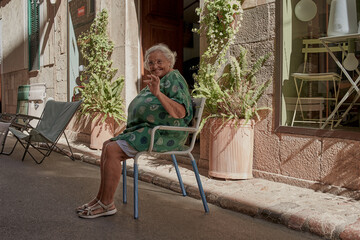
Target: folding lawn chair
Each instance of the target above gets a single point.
(198, 106)
(44, 137)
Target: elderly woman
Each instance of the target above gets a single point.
(164, 101)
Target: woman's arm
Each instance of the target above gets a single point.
(175, 109)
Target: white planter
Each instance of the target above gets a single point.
(231, 149)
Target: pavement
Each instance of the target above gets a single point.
(324, 214)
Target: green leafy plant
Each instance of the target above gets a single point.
(228, 83)
(101, 93)
(219, 23)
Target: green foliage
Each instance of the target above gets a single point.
(101, 93)
(228, 83)
(217, 20)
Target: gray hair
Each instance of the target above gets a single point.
(169, 55)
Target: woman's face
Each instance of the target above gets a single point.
(158, 64)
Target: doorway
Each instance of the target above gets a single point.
(171, 23)
(81, 15)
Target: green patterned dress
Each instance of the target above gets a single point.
(145, 112)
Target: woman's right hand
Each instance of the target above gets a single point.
(154, 84)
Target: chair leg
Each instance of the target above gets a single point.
(72, 154)
(201, 190)
(136, 200)
(26, 150)
(11, 151)
(124, 182)
(178, 175)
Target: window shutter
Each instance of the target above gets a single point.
(34, 35)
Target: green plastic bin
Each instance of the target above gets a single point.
(23, 99)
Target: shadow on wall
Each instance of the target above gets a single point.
(340, 169)
(17, 74)
(332, 164)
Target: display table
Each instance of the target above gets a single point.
(326, 41)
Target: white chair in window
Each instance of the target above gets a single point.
(308, 103)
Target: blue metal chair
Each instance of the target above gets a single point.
(198, 110)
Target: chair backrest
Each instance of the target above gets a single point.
(198, 108)
(55, 117)
(315, 46)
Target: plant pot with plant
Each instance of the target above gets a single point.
(232, 91)
(101, 91)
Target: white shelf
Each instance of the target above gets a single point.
(342, 38)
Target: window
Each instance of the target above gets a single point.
(314, 91)
(34, 35)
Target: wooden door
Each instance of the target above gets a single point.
(162, 22)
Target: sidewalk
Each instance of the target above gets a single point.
(302, 209)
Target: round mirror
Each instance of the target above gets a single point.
(305, 10)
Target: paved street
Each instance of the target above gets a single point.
(38, 202)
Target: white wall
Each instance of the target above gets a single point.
(14, 16)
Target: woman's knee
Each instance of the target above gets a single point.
(106, 143)
(113, 150)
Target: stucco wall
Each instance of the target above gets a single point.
(14, 49)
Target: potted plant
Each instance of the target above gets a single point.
(101, 93)
(232, 91)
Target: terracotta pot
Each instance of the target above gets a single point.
(231, 149)
(100, 132)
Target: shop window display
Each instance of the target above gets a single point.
(320, 67)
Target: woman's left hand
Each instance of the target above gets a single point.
(154, 84)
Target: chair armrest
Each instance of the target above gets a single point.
(24, 116)
(13, 119)
(171, 128)
(7, 117)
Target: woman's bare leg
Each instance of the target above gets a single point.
(112, 156)
(102, 161)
